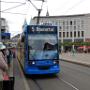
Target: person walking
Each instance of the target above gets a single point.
(3, 63)
(9, 55)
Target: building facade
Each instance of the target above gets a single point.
(71, 28)
(4, 30)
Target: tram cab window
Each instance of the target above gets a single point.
(48, 46)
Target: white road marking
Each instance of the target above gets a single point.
(23, 77)
(70, 84)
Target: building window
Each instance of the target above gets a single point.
(78, 27)
(71, 28)
(53, 22)
(60, 27)
(74, 27)
(59, 34)
(3, 30)
(82, 24)
(63, 23)
(82, 33)
(78, 33)
(74, 22)
(67, 27)
(67, 23)
(63, 27)
(70, 34)
(74, 33)
(63, 34)
(67, 34)
(56, 23)
(70, 22)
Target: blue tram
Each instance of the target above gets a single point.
(38, 49)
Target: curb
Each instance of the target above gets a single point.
(75, 62)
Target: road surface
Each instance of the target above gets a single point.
(71, 77)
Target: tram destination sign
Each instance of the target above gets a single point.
(34, 29)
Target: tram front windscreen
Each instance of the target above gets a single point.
(42, 46)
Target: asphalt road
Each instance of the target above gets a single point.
(71, 77)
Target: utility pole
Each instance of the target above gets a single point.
(38, 18)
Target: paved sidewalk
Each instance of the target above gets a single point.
(78, 58)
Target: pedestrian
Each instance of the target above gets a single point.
(9, 56)
(3, 63)
(12, 52)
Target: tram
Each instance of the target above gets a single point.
(38, 49)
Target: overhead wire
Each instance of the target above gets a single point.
(40, 0)
(73, 6)
(10, 2)
(14, 7)
(13, 13)
(33, 4)
(76, 4)
(42, 6)
(27, 9)
(4, 11)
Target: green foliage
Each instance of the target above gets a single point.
(74, 43)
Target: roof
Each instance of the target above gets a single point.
(63, 16)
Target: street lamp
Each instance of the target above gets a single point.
(39, 11)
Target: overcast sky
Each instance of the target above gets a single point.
(55, 7)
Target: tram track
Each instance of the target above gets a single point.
(29, 78)
(40, 83)
(68, 83)
(33, 82)
(67, 79)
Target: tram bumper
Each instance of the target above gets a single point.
(42, 69)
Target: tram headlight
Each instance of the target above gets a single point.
(56, 62)
(31, 62)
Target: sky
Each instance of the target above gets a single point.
(27, 11)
